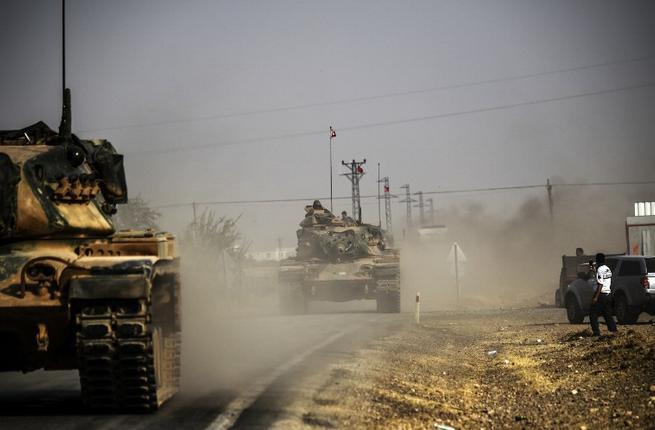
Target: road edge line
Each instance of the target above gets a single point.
(246, 398)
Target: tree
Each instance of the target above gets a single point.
(212, 233)
(137, 214)
(213, 253)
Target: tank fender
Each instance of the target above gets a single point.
(291, 273)
(110, 287)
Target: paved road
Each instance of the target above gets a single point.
(237, 372)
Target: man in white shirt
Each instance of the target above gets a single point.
(600, 304)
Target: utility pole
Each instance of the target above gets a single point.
(387, 203)
(379, 202)
(333, 134)
(387, 208)
(549, 190)
(420, 206)
(408, 201)
(355, 174)
(431, 209)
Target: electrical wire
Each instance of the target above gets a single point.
(370, 98)
(391, 122)
(374, 196)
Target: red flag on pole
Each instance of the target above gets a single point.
(332, 133)
(386, 188)
(360, 169)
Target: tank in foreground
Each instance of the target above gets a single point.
(339, 260)
(73, 293)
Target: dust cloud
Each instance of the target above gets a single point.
(513, 260)
(219, 342)
(229, 339)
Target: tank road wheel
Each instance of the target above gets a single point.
(125, 361)
(292, 299)
(573, 310)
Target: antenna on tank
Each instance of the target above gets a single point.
(65, 124)
(63, 45)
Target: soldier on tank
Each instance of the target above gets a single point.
(347, 221)
(316, 214)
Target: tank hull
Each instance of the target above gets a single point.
(363, 279)
(108, 307)
(338, 259)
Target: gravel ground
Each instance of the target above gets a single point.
(523, 368)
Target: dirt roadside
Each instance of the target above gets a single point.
(493, 369)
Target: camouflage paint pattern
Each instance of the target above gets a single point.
(73, 292)
(339, 260)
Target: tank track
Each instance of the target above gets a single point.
(124, 361)
(388, 290)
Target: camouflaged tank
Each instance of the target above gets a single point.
(73, 293)
(339, 260)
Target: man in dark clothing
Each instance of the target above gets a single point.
(600, 304)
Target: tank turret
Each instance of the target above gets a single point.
(57, 185)
(324, 236)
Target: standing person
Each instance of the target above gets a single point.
(600, 304)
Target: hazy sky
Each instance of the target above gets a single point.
(190, 79)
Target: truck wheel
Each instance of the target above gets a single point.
(625, 314)
(562, 279)
(388, 302)
(292, 300)
(573, 311)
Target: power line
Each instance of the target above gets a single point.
(375, 196)
(392, 122)
(475, 190)
(600, 184)
(498, 107)
(370, 98)
(262, 201)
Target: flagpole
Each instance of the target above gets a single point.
(331, 210)
(332, 134)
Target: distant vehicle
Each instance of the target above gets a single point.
(572, 268)
(633, 290)
(339, 259)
